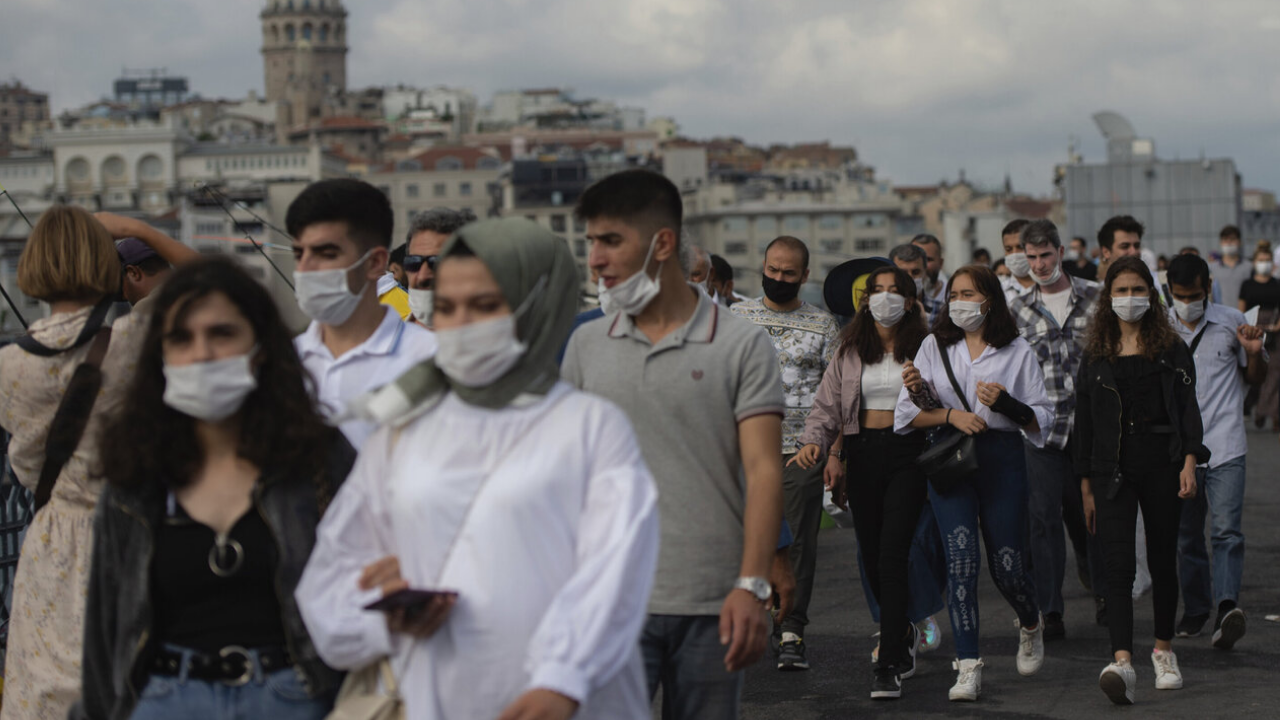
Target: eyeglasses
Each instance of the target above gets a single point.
(413, 263)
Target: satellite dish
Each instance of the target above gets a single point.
(1113, 126)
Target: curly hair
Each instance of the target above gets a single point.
(1155, 333)
(862, 336)
(149, 444)
(998, 330)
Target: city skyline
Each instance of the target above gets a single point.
(922, 89)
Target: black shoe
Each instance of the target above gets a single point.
(791, 655)
(1191, 625)
(907, 667)
(1230, 628)
(1053, 627)
(1100, 616)
(886, 685)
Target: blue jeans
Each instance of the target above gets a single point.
(1220, 495)
(994, 502)
(683, 655)
(277, 696)
(926, 573)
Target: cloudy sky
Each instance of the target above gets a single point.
(922, 88)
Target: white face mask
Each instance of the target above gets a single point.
(634, 294)
(1231, 250)
(919, 287)
(1262, 267)
(1054, 277)
(422, 304)
(476, 355)
(1131, 309)
(211, 391)
(324, 295)
(1072, 256)
(1190, 312)
(887, 308)
(1018, 264)
(967, 315)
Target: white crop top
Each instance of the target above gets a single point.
(881, 384)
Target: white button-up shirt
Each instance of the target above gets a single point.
(392, 349)
(1220, 387)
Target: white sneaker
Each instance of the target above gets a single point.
(1117, 681)
(930, 635)
(1168, 676)
(968, 680)
(1031, 649)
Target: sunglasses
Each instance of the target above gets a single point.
(413, 263)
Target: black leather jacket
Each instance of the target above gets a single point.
(117, 633)
(1097, 434)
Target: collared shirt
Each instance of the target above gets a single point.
(1220, 387)
(1058, 348)
(1013, 288)
(1013, 366)
(805, 340)
(393, 348)
(685, 396)
(933, 301)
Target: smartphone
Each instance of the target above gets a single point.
(407, 598)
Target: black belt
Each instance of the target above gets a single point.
(233, 665)
(1143, 428)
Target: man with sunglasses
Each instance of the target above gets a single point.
(427, 234)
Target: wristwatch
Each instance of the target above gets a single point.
(757, 586)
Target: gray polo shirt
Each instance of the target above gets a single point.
(685, 397)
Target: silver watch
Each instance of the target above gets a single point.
(757, 586)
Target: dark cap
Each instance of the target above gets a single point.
(847, 283)
(133, 251)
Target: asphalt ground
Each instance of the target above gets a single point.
(1238, 683)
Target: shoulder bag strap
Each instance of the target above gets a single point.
(946, 363)
(1195, 343)
(87, 333)
(72, 416)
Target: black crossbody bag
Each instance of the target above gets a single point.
(953, 456)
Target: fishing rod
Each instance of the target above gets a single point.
(12, 305)
(212, 193)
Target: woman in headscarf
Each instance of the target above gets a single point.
(525, 499)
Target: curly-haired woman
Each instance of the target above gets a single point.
(1138, 438)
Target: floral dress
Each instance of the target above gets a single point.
(42, 676)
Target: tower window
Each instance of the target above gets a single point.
(289, 33)
(306, 31)
(324, 32)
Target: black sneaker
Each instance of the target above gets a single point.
(907, 667)
(886, 685)
(1100, 617)
(791, 653)
(1230, 628)
(1191, 625)
(1053, 627)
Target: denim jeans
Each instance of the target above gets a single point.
(1220, 495)
(277, 696)
(683, 655)
(926, 572)
(994, 502)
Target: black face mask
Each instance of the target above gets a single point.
(779, 291)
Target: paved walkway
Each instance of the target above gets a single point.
(1240, 683)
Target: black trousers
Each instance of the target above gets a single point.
(1153, 488)
(886, 494)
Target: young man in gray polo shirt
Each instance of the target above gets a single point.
(1228, 354)
(702, 389)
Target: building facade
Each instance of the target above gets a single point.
(20, 107)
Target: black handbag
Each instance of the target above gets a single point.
(953, 456)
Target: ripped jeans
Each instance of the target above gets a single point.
(993, 501)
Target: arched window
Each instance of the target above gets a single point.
(289, 33)
(78, 171)
(275, 33)
(324, 32)
(306, 31)
(306, 4)
(150, 167)
(449, 163)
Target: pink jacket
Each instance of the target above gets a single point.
(835, 407)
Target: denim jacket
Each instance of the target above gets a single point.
(117, 632)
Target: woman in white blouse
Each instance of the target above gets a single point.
(1004, 386)
(494, 480)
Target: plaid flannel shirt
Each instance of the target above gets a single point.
(1059, 348)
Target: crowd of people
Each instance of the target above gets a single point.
(454, 495)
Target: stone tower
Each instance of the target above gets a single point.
(304, 56)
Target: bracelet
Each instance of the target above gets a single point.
(948, 420)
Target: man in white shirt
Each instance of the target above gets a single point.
(1228, 354)
(341, 233)
(1016, 260)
